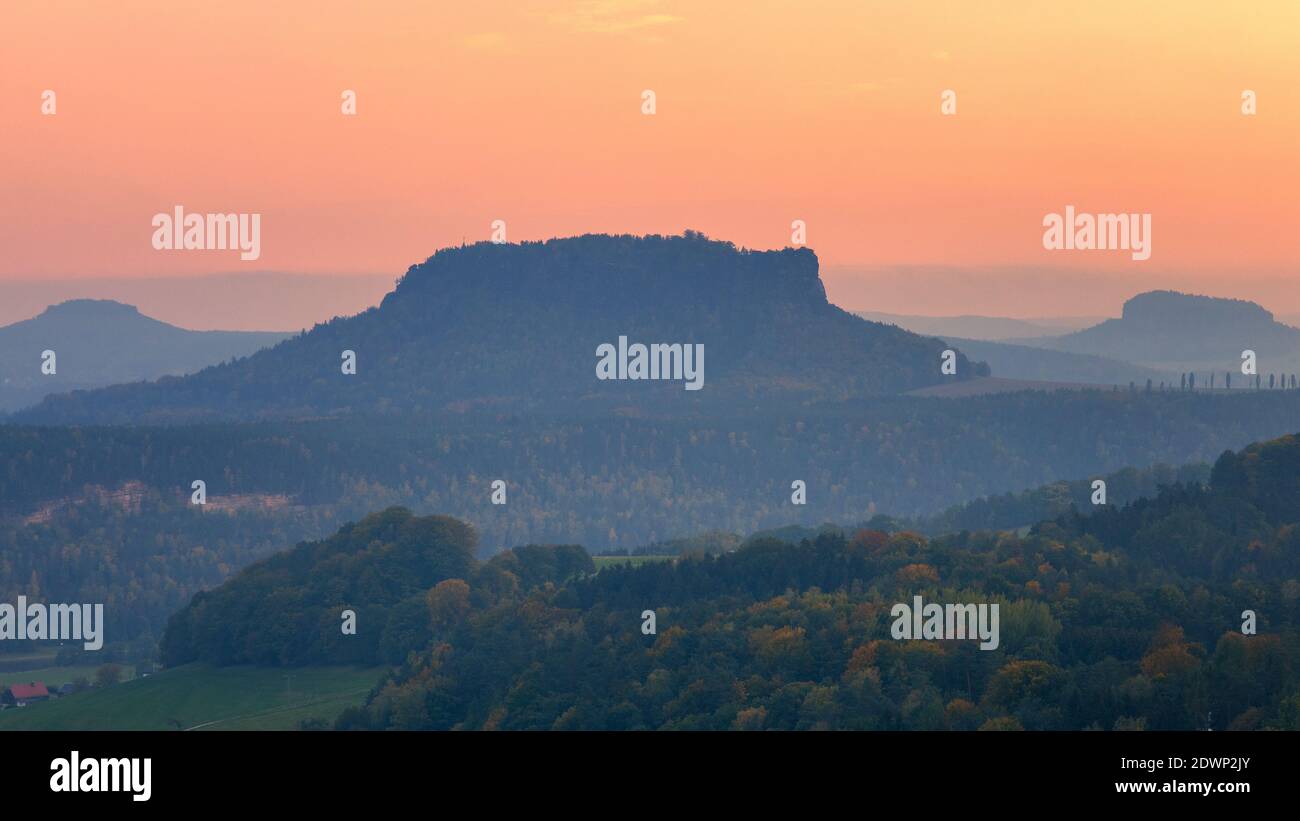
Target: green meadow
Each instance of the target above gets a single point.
(200, 697)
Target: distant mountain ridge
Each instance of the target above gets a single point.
(1160, 336)
(985, 328)
(1022, 349)
(517, 326)
(1032, 363)
(100, 342)
(1170, 330)
(243, 301)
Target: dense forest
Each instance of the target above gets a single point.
(1006, 511)
(608, 482)
(143, 564)
(1011, 510)
(288, 608)
(1112, 618)
(104, 514)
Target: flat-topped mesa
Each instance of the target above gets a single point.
(1180, 308)
(1180, 332)
(524, 327)
(619, 273)
(90, 308)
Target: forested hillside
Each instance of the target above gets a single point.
(1110, 619)
(104, 514)
(1004, 511)
(518, 326)
(388, 570)
(903, 456)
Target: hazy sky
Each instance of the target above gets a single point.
(767, 112)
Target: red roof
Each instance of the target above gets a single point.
(22, 692)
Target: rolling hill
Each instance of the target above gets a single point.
(1128, 617)
(100, 342)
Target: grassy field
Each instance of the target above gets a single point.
(198, 697)
(22, 668)
(606, 561)
(54, 677)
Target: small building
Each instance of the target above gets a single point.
(21, 695)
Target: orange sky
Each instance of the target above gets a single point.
(530, 112)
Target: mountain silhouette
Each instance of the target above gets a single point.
(1171, 331)
(100, 342)
(1025, 362)
(518, 326)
